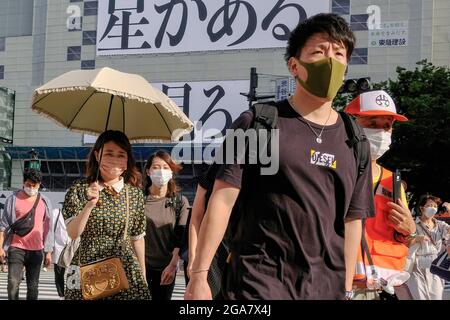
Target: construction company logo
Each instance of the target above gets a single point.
(323, 159)
(382, 100)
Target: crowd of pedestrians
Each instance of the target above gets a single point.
(329, 224)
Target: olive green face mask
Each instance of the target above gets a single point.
(325, 77)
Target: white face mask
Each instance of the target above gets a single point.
(429, 212)
(31, 191)
(160, 177)
(380, 140)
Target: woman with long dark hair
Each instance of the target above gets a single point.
(95, 209)
(166, 212)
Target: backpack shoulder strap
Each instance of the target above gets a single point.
(357, 140)
(265, 115)
(177, 205)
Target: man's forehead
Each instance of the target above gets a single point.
(31, 182)
(323, 37)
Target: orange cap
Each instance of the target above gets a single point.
(374, 103)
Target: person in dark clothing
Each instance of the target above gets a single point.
(295, 232)
(202, 195)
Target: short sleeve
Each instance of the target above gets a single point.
(4, 223)
(362, 201)
(205, 181)
(138, 222)
(231, 171)
(74, 202)
(445, 230)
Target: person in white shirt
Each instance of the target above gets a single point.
(61, 239)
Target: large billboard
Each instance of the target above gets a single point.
(211, 105)
(165, 26)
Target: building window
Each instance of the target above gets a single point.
(359, 56)
(341, 7)
(59, 175)
(2, 72)
(2, 43)
(74, 53)
(87, 64)
(90, 8)
(89, 37)
(358, 22)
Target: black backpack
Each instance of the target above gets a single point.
(25, 224)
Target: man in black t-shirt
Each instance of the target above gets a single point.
(296, 232)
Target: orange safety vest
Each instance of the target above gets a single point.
(388, 255)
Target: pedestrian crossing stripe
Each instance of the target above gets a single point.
(47, 288)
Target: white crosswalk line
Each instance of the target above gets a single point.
(47, 288)
(180, 287)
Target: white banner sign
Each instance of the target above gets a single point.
(215, 104)
(284, 87)
(391, 34)
(167, 26)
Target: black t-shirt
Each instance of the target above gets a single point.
(289, 238)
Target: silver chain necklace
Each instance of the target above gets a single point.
(318, 136)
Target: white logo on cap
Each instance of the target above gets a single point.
(382, 99)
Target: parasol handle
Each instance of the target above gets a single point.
(106, 128)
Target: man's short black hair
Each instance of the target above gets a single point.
(33, 175)
(329, 23)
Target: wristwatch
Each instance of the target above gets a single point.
(410, 236)
(402, 238)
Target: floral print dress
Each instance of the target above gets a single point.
(103, 235)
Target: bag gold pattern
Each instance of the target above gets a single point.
(103, 278)
(106, 277)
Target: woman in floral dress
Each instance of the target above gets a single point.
(96, 210)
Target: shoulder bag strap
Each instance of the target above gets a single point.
(32, 212)
(364, 245)
(57, 219)
(377, 184)
(126, 220)
(33, 209)
(428, 233)
(36, 202)
(126, 226)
